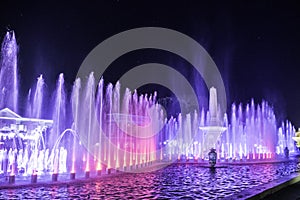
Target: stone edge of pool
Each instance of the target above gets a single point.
(264, 190)
(47, 182)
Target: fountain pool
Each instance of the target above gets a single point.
(175, 181)
(96, 129)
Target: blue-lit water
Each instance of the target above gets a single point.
(173, 182)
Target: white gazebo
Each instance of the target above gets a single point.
(12, 123)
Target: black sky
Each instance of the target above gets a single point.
(255, 45)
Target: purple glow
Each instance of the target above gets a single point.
(107, 129)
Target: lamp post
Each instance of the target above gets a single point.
(212, 157)
(286, 152)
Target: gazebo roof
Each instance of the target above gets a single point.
(7, 114)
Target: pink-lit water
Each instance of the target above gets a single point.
(98, 126)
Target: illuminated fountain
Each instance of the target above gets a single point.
(8, 73)
(250, 135)
(98, 129)
(214, 129)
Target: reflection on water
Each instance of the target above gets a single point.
(174, 181)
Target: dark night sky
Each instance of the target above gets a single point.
(256, 46)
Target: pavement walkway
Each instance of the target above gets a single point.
(291, 192)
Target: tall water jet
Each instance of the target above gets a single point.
(134, 113)
(9, 73)
(88, 114)
(109, 105)
(99, 109)
(38, 98)
(75, 108)
(213, 107)
(125, 128)
(133, 130)
(59, 110)
(28, 112)
(116, 109)
(214, 127)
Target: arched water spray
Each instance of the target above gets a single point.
(124, 135)
(59, 156)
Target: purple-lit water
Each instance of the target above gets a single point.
(38, 98)
(95, 129)
(251, 134)
(173, 182)
(59, 109)
(8, 73)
